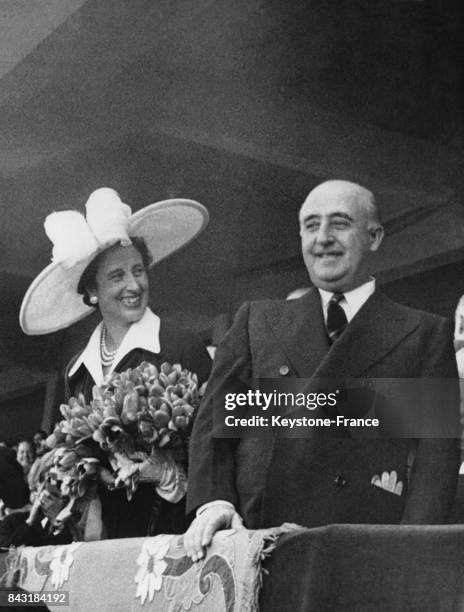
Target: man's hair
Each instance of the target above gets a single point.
(373, 207)
(360, 192)
(26, 441)
(89, 276)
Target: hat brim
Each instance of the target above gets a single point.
(52, 303)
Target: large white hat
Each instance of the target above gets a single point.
(52, 302)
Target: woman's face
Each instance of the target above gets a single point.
(25, 454)
(121, 286)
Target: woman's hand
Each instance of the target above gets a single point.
(106, 477)
(152, 470)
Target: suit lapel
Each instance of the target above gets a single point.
(299, 327)
(374, 331)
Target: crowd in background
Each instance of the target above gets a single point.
(27, 511)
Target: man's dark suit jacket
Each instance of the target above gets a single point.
(326, 480)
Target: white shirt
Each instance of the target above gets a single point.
(143, 334)
(352, 300)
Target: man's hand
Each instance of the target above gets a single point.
(34, 512)
(201, 531)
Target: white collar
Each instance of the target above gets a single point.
(143, 334)
(352, 301)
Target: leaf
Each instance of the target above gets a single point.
(164, 440)
(81, 488)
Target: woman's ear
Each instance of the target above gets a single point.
(92, 295)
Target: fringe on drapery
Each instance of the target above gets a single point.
(269, 542)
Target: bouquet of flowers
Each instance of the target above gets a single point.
(74, 477)
(140, 418)
(63, 484)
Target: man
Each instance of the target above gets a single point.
(342, 328)
(40, 444)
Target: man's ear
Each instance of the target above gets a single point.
(376, 233)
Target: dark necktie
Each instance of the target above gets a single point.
(336, 317)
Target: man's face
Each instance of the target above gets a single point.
(39, 442)
(337, 235)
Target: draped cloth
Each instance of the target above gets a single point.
(132, 575)
(354, 568)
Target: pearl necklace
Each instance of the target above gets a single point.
(107, 356)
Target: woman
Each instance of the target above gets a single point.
(102, 262)
(25, 455)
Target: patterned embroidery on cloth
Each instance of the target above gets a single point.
(154, 572)
(149, 578)
(44, 565)
(63, 557)
(228, 578)
(10, 567)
